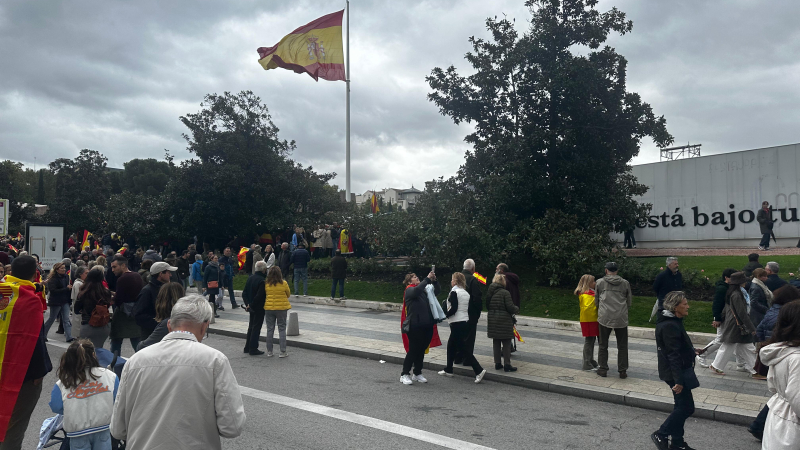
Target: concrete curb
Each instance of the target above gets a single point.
(622, 397)
(522, 321)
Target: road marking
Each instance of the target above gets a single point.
(58, 344)
(371, 422)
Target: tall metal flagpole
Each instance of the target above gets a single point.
(347, 127)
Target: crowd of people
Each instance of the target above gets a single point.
(170, 300)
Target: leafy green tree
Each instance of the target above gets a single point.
(12, 188)
(81, 191)
(146, 176)
(555, 126)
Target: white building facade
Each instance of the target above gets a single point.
(712, 201)
(404, 198)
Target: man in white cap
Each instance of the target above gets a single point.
(145, 310)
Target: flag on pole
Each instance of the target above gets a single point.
(315, 48)
(374, 204)
(86, 245)
(479, 277)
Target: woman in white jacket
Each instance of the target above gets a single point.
(457, 303)
(782, 355)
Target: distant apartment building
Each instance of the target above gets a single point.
(399, 197)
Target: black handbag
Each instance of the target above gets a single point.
(406, 326)
(690, 380)
(742, 329)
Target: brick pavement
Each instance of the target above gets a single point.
(550, 358)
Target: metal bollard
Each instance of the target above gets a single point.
(293, 327)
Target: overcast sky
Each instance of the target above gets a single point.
(114, 76)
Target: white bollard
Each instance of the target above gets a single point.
(293, 327)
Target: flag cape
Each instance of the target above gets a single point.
(20, 324)
(315, 48)
(435, 341)
(479, 277)
(85, 245)
(345, 244)
(241, 257)
(374, 203)
(516, 335)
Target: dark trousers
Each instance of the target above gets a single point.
(469, 345)
(418, 340)
(764, 240)
(340, 282)
(629, 241)
(622, 348)
(684, 408)
(229, 285)
(506, 352)
(116, 344)
(758, 425)
(254, 329)
(457, 344)
(21, 415)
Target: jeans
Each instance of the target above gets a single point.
(458, 336)
(746, 353)
(116, 344)
(764, 240)
(95, 441)
(418, 340)
(335, 246)
(302, 273)
(254, 329)
(280, 317)
(186, 282)
(229, 285)
(63, 311)
(588, 353)
(622, 348)
(27, 399)
(340, 282)
(684, 408)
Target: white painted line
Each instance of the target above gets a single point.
(371, 422)
(58, 344)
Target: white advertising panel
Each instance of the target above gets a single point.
(47, 242)
(713, 200)
(3, 216)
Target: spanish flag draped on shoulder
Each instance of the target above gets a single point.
(315, 48)
(20, 323)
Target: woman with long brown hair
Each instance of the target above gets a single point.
(738, 332)
(276, 308)
(93, 303)
(168, 295)
(59, 289)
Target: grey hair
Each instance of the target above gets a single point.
(80, 270)
(198, 257)
(671, 260)
(469, 264)
(673, 299)
(773, 267)
(261, 266)
(191, 309)
(99, 268)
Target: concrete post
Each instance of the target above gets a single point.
(293, 327)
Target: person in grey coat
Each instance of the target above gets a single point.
(500, 319)
(765, 224)
(614, 298)
(760, 296)
(738, 331)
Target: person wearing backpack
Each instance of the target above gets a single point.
(85, 394)
(93, 303)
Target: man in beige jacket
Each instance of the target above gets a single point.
(179, 393)
(613, 297)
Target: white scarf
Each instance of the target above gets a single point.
(764, 288)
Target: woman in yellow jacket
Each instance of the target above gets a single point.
(589, 325)
(276, 308)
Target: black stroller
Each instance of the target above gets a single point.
(52, 432)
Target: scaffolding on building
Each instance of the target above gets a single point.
(681, 152)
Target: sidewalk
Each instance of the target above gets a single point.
(549, 359)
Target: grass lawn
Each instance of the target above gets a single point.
(714, 265)
(537, 301)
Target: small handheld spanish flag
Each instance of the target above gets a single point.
(242, 257)
(516, 335)
(479, 277)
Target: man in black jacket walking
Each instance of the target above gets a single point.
(473, 310)
(145, 309)
(765, 224)
(338, 273)
(253, 296)
(667, 281)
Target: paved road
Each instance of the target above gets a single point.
(315, 400)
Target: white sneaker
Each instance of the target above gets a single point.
(446, 374)
(760, 247)
(702, 363)
(742, 369)
(479, 377)
(269, 354)
(283, 355)
(419, 378)
(405, 379)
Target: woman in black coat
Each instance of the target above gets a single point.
(212, 274)
(59, 290)
(420, 325)
(676, 367)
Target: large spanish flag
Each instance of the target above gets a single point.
(85, 245)
(315, 48)
(20, 324)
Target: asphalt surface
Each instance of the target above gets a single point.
(490, 414)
